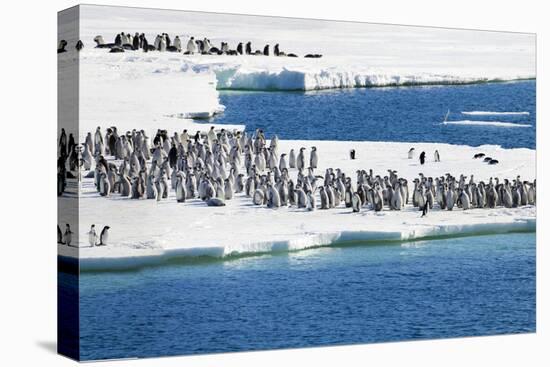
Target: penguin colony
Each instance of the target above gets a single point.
(126, 42)
(218, 165)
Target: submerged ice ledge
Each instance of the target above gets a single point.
(156, 256)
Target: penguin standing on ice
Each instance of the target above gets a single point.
(92, 236)
(104, 236)
(436, 156)
(300, 160)
(425, 209)
(248, 48)
(292, 159)
(177, 44)
(411, 153)
(240, 48)
(68, 235)
(356, 202)
(59, 236)
(422, 157)
(313, 158)
(191, 46)
(266, 50)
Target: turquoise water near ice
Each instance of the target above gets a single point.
(359, 293)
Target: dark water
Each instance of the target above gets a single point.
(389, 114)
(356, 294)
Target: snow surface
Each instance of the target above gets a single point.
(354, 54)
(144, 232)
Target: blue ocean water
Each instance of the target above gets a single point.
(411, 114)
(455, 287)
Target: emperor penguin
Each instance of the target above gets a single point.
(181, 193)
(228, 189)
(310, 201)
(282, 162)
(191, 46)
(324, 198)
(292, 159)
(397, 199)
(348, 194)
(283, 192)
(301, 197)
(68, 234)
(274, 200)
(449, 199)
(87, 157)
(258, 197)
(150, 188)
(92, 236)
(425, 209)
(162, 43)
(356, 202)
(300, 160)
(464, 200)
(313, 158)
(215, 202)
(104, 236)
(411, 153)
(436, 156)
(105, 185)
(59, 236)
(239, 183)
(177, 44)
(124, 185)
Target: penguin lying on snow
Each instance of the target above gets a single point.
(61, 46)
(215, 202)
(479, 155)
(116, 49)
(100, 43)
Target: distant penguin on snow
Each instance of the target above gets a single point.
(422, 157)
(68, 235)
(104, 236)
(59, 236)
(92, 236)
